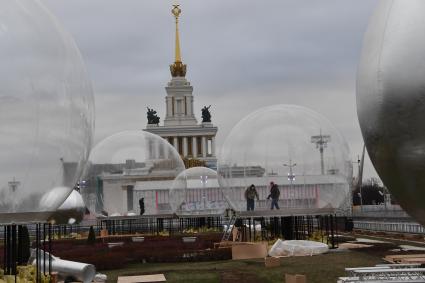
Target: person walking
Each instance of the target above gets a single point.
(250, 195)
(142, 206)
(274, 195)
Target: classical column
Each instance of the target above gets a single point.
(166, 151)
(169, 106)
(156, 146)
(204, 147)
(194, 147)
(176, 143)
(213, 146)
(185, 146)
(150, 149)
(188, 108)
(191, 105)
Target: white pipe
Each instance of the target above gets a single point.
(81, 271)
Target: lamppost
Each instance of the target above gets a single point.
(360, 177)
(204, 181)
(291, 175)
(357, 184)
(13, 185)
(321, 142)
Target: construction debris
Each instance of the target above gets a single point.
(297, 248)
(142, 278)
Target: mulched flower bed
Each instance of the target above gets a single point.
(152, 249)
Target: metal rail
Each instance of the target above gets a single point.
(391, 274)
(384, 273)
(400, 227)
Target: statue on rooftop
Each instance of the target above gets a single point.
(153, 118)
(206, 114)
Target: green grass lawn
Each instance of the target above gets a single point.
(321, 268)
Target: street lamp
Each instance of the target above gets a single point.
(13, 185)
(204, 181)
(321, 142)
(291, 175)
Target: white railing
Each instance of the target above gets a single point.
(400, 227)
(379, 211)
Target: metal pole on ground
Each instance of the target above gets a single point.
(13, 252)
(50, 251)
(44, 248)
(37, 262)
(332, 231)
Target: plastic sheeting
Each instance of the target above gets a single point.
(297, 248)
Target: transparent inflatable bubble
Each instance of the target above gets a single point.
(71, 211)
(196, 191)
(293, 147)
(130, 172)
(46, 112)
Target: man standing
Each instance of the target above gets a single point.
(142, 206)
(250, 195)
(274, 195)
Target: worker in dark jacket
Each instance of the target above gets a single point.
(250, 195)
(274, 195)
(142, 206)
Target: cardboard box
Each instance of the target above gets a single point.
(103, 233)
(249, 251)
(235, 234)
(295, 278)
(272, 261)
(54, 277)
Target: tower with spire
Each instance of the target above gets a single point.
(193, 140)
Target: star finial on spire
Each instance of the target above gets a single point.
(178, 69)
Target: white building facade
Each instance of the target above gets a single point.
(310, 193)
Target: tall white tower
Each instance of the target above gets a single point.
(181, 129)
(179, 99)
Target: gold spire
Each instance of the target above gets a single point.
(176, 12)
(178, 69)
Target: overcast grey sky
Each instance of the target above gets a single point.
(241, 55)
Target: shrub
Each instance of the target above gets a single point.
(24, 246)
(91, 239)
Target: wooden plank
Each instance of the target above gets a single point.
(142, 278)
(413, 260)
(406, 256)
(403, 258)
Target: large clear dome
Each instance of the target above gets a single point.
(46, 112)
(127, 169)
(196, 191)
(71, 211)
(294, 147)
